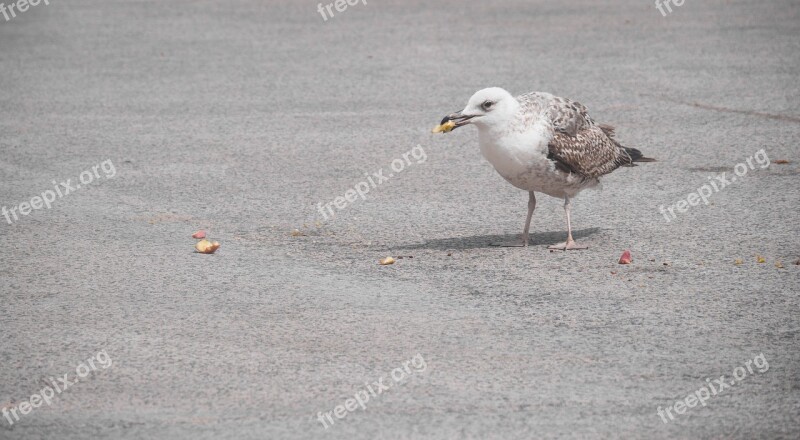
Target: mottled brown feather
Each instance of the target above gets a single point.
(579, 145)
(591, 153)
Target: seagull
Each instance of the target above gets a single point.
(542, 143)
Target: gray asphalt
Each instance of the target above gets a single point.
(241, 117)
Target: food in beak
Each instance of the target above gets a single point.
(444, 127)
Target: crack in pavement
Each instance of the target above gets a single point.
(730, 110)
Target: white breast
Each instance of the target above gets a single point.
(521, 158)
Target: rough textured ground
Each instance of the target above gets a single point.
(241, 116)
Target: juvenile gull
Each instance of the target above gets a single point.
(542, 143)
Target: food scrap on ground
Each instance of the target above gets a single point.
(386, 261)
(782, 161)
(199, 234)
(206, 247)
(625, 258)
(779, 265)
(738, 262)
(760, 259)
(297, 233)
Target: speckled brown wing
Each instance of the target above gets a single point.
(568, 116)
(591, 153)
(579, 145)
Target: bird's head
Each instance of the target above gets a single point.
(486, 108)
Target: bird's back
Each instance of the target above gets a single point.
(578, 145)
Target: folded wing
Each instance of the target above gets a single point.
(580, 146)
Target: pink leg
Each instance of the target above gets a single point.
(570, 244)
(525, 239)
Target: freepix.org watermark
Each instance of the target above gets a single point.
(361, 189)
(46, 394)
(20, 5)
(363, 396)
(715, 185)
(49, 196)
(713, 388)
(661, 4)
(340, 5)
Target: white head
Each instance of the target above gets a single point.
(486, 108)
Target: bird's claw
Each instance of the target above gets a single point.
(567, 246)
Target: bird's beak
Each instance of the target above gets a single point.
(459, 118)
(452, 121)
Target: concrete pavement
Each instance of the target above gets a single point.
(242, 117)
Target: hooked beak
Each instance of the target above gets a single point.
(451, 122)
(459, 119)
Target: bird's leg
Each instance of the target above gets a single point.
(531, 207)
(525, 236)
(570, 243)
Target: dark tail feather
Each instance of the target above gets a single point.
(637, 156)
(633, 153)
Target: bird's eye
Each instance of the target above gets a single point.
(487, 105)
